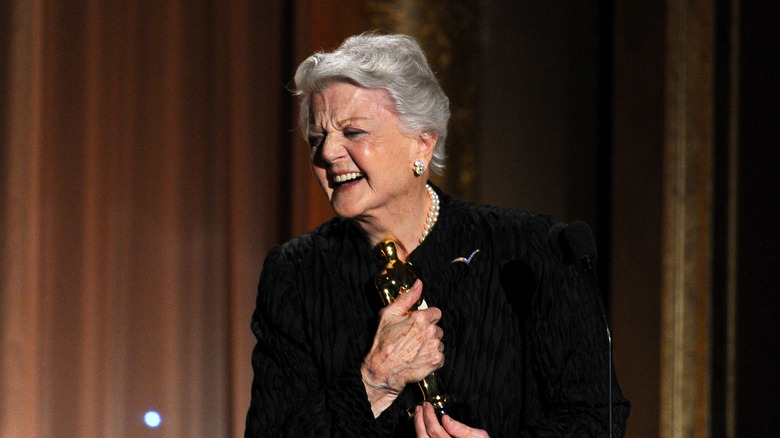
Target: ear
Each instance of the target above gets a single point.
(424, 146)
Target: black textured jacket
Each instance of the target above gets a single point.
(525, 346)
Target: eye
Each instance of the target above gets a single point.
(353, 134)
(316, 140)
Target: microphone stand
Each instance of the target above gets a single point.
(587, 263)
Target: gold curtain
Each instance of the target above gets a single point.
(689, 154)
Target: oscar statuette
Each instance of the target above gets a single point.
(393, 280)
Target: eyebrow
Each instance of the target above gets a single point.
(339, 124)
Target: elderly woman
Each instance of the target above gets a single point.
(510, 329)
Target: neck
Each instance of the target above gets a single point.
(404, 225)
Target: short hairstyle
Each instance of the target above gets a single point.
(395, 63)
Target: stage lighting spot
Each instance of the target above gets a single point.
(152, 419)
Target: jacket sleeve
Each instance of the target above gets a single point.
(569, 358)
(291, 397)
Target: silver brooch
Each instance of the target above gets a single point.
(464, 259)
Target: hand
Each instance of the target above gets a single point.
(427, 425)
(407, 347)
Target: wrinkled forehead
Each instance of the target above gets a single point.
(344, 101)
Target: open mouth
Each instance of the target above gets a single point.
(346, 178)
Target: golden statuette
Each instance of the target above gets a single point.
(396, 278)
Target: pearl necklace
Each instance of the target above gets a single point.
(433, 213)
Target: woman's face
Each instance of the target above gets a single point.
(359, 153)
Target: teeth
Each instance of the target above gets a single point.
(346, 177)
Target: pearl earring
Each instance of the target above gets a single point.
(419, 167)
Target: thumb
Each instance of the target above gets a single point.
(455, 428)
(407, 301)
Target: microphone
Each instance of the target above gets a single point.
(574, 243)
(579, 238)
(560, 249)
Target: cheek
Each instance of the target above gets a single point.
(401, 155)
(321, 178)
(392, 151)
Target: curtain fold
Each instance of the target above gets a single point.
(139, 195)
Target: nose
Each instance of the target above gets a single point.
(331, 149)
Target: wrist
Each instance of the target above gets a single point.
(379, 395)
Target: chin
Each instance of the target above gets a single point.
(343, 211)
(346, 204)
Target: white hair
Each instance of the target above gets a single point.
(395, 63)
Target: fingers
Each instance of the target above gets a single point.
(438, 334)
(433, 347)
(426, 424)
(419, 422)
(427, 336)
(455, 428)
(432, 426)
(460, 430)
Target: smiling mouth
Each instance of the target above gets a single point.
(346, 178)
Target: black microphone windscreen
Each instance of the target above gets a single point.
(554, 236)
(561, 248)
(579, 237)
